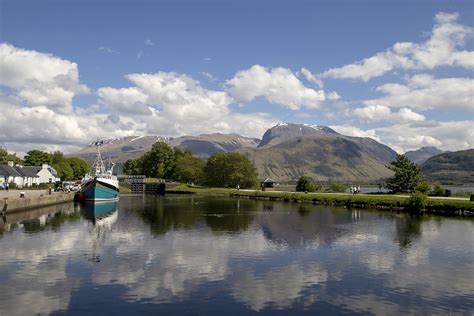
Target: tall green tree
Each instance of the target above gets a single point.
(159, 162)
(5, 157)
(79, 167)
(57, 157)
(37, 158)
(64, 170)
(190, 169)
(407, 175)
(229, 170)
(133, 167)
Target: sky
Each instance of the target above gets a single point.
(71, 72)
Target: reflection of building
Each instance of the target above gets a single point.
(27, 176)
(267, 185)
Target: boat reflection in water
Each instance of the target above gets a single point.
(99, 213)
(101, 217)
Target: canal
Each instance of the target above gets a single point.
(203, 255)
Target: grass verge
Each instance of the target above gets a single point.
(360, 200)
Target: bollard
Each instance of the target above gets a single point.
(22, 194)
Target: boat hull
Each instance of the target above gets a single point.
(99, 190)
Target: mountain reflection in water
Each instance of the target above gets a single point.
(209, 255)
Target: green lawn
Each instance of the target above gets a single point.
(367, 200)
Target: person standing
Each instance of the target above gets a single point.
(6, 186)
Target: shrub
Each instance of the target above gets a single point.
(306, 185)
(438, 189)
(417, 201)
(338, 187)
(422, 187)
(45, 185)
(12, 185)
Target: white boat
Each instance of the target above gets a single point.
(99, 184)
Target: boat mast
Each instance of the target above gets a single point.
(98, 167)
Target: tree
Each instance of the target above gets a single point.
(57, 157)
(407, 175)
(338, 187)
(37, 158)
(190, 169)
(133, 167)
(229, 170)
(159, 162)
(438, 189)
(5, 157)
(64, 170)
(79, 167)
(306, 185)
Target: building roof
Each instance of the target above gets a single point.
(53, 171)
(28, 171)
(8, 171)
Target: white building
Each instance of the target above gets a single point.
(27, 176)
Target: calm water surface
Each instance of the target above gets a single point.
(194, 255)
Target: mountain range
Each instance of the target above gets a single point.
(288, 151)
(450, 167)
(422, 154)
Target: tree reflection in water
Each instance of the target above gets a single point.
(408, 229)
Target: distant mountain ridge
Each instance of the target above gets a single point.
(122, 149)
(205, 145)
(422, 154)
(286, 152)
(289, 151)
(286, 131)
(451, 167)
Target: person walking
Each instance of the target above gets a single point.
(6, 186)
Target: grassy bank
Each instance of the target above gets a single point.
(390, 202)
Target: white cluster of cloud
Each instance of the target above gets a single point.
(450, 135)
(424, 92)
(278, 85)
(441, 49)
(40, 79)
(383, 113)
(354, 131)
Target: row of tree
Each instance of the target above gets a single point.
(228, 169)
(67, 168)
(407, 178)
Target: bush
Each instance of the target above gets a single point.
(422, 187)
(417, 201)
(45, 185)
(306, 185)
(338, 187)
(438, 189)
(12, 185)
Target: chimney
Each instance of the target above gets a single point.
(10, 163)
(44, 166)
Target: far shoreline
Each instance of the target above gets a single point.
(397, 203)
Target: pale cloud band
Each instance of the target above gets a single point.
(277, 85)
(441, 49)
